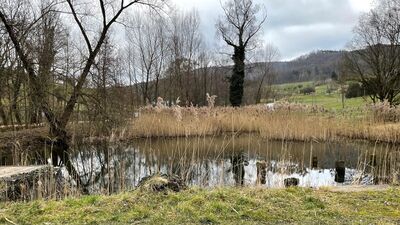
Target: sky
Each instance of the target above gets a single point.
(295, 27)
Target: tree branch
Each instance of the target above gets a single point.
(79, 23)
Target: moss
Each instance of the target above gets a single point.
(216, 206)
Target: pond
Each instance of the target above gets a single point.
(229, 161)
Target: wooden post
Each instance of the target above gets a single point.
(261, 172)
(340, 171)
(314, 162)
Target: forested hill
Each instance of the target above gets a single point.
(315, 66)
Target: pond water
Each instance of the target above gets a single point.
(230, 160)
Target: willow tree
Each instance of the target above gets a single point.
(239, 27)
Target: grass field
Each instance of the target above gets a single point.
(216, 206)
(321, 97)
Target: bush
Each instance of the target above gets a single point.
(307, 90)
(357, 90)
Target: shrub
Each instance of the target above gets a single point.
(355, 90)
(307, 90)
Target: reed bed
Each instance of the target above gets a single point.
(291, 122)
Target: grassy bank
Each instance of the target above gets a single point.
(217, 206)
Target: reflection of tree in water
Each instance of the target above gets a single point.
(238, 161)
(103, 168)
(110, 168)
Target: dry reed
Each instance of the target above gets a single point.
(284, 122)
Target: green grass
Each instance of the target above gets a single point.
(216, 206)
(331, 101)
(294, 85)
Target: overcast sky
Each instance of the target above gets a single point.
(295, 27)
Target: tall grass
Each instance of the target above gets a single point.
(384, 112)
(285, 122)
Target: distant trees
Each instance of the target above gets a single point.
(11, 70)
(375, 57)
(238, 27)
(166, 57)
(186, 49)
(147, 36)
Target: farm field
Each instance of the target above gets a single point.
(321, 97)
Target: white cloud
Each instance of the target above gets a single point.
(294, 26)
(362, 5)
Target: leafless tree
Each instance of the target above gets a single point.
(185, 47)
(110, 12)
(148, 35)
(238, 27)
(266, 56)
(374, 59)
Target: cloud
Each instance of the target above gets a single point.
(294, 26)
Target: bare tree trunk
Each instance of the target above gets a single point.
(16, 92)
(3, 114)
(258, 93)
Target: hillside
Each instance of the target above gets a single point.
(315, 66)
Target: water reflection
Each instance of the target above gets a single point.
(244, 160)
(238, 161)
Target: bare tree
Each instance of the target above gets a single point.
(5, 63)
(185, 46)
(11, 69)
(374, 59)
(110, 12)
(204, 72)
(147, 34)
(238, 27)
(131, 71)
(266, 58)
